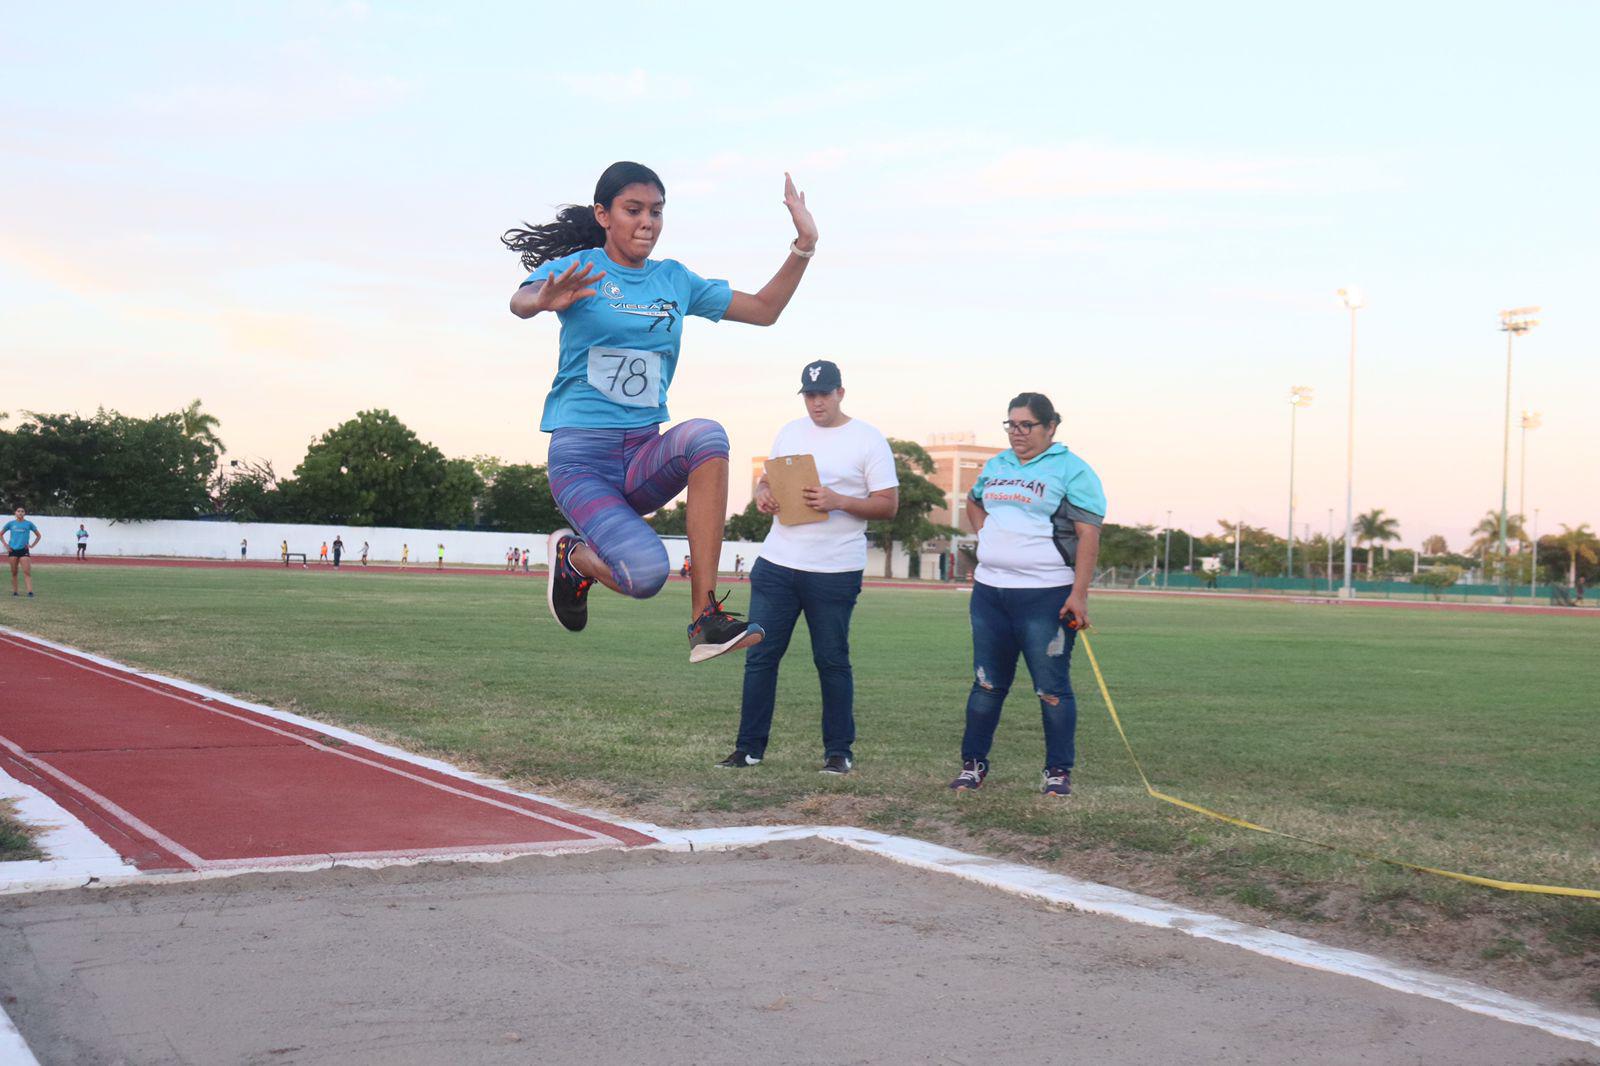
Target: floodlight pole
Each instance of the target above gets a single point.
(1330, 551)
(1530, 420)
(1166, 563)
(1299, 396)
(1518, 320)
(1533, 563)
(1352, 302)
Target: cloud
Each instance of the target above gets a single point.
(631, 86)
(324, 97)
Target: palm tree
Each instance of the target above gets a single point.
(201, 427)
(1578, 543)
(1486, 534)
(1375, 527)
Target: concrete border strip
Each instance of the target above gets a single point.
(1010, 877)
(14, 1050)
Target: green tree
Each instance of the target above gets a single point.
(201, 427)
(911, 525)
(1579, 544)
(250, 493)
(518, 500)
(109, 466)
(671, 521)
(748, 524)
(1127, 545)
(374, 471)
(1375, 527)
(1434, 545)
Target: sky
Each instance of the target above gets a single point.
(291, 211)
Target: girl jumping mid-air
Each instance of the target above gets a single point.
(622, 317)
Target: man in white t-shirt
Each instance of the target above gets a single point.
(815, 569)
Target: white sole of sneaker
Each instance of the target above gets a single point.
(701, 652)
(550, 577)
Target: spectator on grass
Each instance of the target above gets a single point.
(815, 568)
(244, 548)
(285, 549)
(527, 561)
(83, 542)
(441, 556)
(16, 533)
(1038, 510)
(405, 554)
(324, 554)
(738, 568)
(364, 549)
(338, 549)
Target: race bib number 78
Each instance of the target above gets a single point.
(625, 376)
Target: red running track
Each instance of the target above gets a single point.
(176, 781)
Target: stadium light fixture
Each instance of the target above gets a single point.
(1517, 320)
(1354, 301)
(1299, 396)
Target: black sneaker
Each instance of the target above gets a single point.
(970, 779)
(1057, 782)
(739, 760)
(567, 591)
(838, 765)
(717, 631)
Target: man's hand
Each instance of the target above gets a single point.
(766, 502)
(1076, 610)
(823, 499)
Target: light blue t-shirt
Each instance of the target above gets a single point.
(17, 533)
(619, 348)
(1028, 539)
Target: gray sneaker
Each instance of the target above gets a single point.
(739, 760)
(836, 764)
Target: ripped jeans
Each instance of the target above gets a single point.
(1011, 622)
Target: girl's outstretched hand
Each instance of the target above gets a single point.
(805, 227)
(571, 285)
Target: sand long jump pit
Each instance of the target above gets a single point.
(799, 951)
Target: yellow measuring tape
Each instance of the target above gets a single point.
(1471, 879)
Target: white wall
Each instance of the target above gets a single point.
(220, 540)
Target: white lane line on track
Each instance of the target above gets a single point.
(1013, 878)
(126, 675)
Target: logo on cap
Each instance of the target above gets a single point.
(815, 372)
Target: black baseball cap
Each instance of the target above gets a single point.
(820, 376)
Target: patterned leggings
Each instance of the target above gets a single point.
(604, 479)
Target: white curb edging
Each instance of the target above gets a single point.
(1014, 878)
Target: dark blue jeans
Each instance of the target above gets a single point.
(1011, 622)
(778, 597)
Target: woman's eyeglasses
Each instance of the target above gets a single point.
(1020, 427)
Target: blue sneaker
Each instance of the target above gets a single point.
(717, 631)
(1057, 781)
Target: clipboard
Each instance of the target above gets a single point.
(787, 476)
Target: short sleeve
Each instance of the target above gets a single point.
(548, 269)
(706, 297)
(977, 486)
(881, 472)
(1085, 499)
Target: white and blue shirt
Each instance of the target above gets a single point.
(1028, 539)
(619, 348)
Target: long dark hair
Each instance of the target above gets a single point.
(575, 227)
(1038, 405)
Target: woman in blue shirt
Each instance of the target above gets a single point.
(17, 532)
(622, 317)
(1038, 510)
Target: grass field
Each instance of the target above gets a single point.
(1466, 741)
